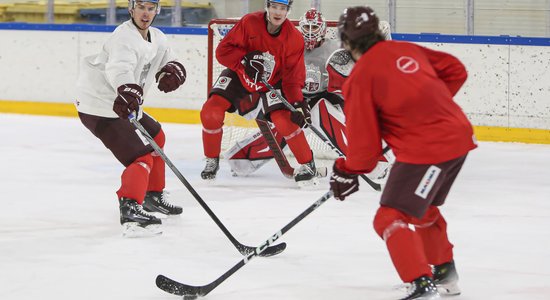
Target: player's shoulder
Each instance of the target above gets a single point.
(340, 60)
(158, 34)
(256, 16)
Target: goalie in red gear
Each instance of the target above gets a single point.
(252, 52)
(403, 93)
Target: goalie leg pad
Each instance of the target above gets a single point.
(293, 134)
(404, 245)
(135, 178)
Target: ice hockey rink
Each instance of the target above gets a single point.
(60, 236)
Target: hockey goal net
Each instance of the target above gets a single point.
(236, 127)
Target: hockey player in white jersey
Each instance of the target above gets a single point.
(327, 66)
(111, 88)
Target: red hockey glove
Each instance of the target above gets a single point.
(130, 97)
(254, 66)
(171, 76)
(302, 115)
(342, 183)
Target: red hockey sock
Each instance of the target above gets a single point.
(157, 175)
(432, 229)
(404, 245)
(293, 134)
(135, 177)
(212, 116)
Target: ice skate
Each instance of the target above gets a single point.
(306, 174)
(211, 168)
(156, 202)
(135, 221)
(422, 288)
(446, 279)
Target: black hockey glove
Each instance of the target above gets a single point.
(171, 76)
(254, 66)
(342, 183)
(130, 97)
(302, 115)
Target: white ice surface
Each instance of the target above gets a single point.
(60, 237)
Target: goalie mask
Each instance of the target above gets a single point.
(313, 27)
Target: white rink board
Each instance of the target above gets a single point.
(507, 85)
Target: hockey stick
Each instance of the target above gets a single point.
(278, 154)
(243, 249)
(373, 184)
(192, 292)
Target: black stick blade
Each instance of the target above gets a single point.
(273, 250)
(173, 287)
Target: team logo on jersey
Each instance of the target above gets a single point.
(269, 65)
(407, 64)
(222, 82)
(313, 79)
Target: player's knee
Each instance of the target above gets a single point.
(144, 161)
(281, 119)
(213, 112)
(160, 138)
(388, 220)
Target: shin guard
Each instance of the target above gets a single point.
(135, 178)
(432, 229)
(157, 176)
(212, 117)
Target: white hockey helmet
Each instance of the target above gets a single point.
(132, 4)
(313, 27)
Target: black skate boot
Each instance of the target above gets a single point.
(156, 202)
(306, 174)
(446, 278)
(422, 288)
(135, 221)
(211, 168)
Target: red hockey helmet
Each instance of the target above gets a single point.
(313, 27)
(357, 22)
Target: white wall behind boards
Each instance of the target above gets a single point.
(508, 86)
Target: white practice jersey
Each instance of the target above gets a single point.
(316, 71)
(125, 58)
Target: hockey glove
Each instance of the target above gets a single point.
(130, 97)
(171, 76)
(342, 183)
(254, 66)
(302, 115)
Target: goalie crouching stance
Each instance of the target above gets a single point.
(327, 67)
(252, 52)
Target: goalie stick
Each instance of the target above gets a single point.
(193, 291)
(278, 154)
(243, 249)
(373, 184)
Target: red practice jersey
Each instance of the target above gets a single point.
(403, 93)
(285, 53)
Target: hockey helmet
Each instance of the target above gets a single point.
(132, 4)
(357, 22)
(313, 27)
(285, 2)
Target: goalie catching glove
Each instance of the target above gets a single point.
(253, 63)
(302, 115)
(342, 183)
(130, 97)
(171, 76)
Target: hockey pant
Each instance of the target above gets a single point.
(146, 173)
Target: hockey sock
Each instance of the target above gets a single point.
(135, 177)
(432, 229)
(212, 116)
(157, 175)
(293, 134)
(404, 245)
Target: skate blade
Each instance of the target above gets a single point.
(308, 183)
(133, 230)
(448, 289)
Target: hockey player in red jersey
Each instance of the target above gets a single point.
(403, 93)
(261, 46)
(111, 86)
